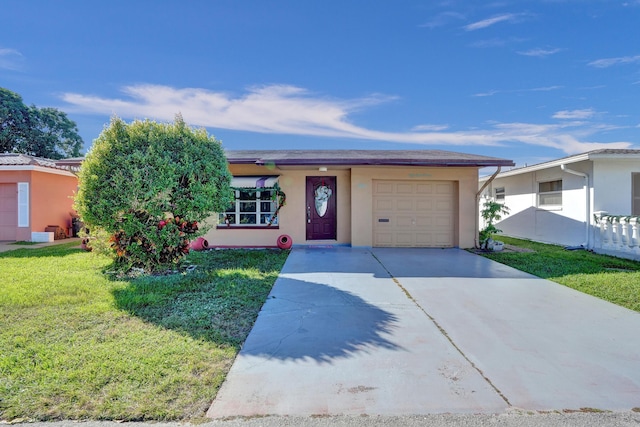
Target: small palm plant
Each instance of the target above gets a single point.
(491, 213)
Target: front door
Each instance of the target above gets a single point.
(321, 208)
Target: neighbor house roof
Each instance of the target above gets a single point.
(362, 157)
(23, 161)
(607, 153)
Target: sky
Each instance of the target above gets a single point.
(528, 81)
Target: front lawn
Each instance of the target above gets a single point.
(76, 343)
(613, 279)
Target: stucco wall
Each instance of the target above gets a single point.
(51, 200)
(612, 185)
(292, 217)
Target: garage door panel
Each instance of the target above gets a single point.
(405, 188)
(444, 205)
(404, 221)
(424, 239)
(404, 239)
(444, 188)
(383, 187)
(405, 205)
(415, 213)
(383, 205)
(424, 188)
(423, 205)
(424, 221)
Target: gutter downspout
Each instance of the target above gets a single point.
(588, 201)
(477, 230)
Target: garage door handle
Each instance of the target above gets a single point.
(383, 219)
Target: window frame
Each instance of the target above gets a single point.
(544, 194)
(239, 209)
(499, 194)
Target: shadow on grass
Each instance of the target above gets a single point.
(57, 250)
(220, 301)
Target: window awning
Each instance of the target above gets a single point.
(254, 181)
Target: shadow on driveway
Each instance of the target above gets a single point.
(303, 320)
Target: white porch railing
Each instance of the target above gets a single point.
(617, 235)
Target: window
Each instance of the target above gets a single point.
(635, 196)
(498, 193)
(550, 193)
(253, 207)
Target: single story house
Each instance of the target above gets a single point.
(35, 193)
(361, 198)
(564, 201)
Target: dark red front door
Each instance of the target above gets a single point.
(321, 208)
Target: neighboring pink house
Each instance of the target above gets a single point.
(35, 193)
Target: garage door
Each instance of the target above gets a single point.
(414, 213)
(8, 211)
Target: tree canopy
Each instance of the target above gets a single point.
(42, 132)
(149, 186)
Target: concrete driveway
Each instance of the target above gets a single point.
(419, 331)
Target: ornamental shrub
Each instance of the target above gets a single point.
(149, 186)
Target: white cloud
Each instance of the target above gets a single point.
(434, 128)
(508, 17)
(540, 53)
(285, 109)
(10, 59)
(535, 89)
(442, 19)
(574, 114)
(609, 62)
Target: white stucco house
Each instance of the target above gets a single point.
(590, 200)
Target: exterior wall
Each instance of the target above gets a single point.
(50, 198)
(354, 204)
(612, 185)
(292, 217)
(563, 225)
(362, 188)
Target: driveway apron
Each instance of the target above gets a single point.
(417, 331)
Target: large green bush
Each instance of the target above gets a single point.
(149, 186)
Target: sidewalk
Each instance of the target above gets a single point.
(6, 246)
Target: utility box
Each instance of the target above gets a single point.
(42, 236)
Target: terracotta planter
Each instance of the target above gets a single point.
(285, 241)
(199, 244)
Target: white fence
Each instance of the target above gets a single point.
(617, 235)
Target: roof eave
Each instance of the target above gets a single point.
(372, 162)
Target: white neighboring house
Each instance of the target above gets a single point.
(590, 200)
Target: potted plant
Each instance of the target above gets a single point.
(491, 213)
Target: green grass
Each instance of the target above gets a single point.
(613, 279)
(76, 343)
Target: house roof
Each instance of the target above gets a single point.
(607, 153)
(18, 159)
(362, 157)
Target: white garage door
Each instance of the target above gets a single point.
(414, 213)
(8, 211)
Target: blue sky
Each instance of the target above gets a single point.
(524, 80)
